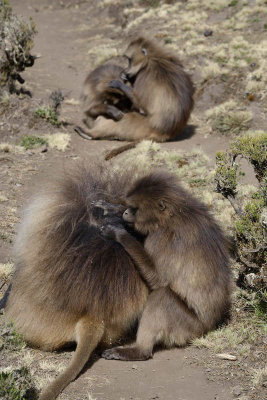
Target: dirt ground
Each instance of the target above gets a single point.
(74, 36)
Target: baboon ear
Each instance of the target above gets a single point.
(162, 205)
(144, 51)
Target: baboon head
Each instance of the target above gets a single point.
(137, 54)
(152, 202)
(105, 212)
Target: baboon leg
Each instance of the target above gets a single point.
(147, 335)
(167, 320)
(132, 127)
(105, 110)
(88, 336)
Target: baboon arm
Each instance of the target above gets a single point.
(106, 110)
(129, 93)
(141, 259)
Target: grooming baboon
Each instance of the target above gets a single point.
(184, 261)
(98, 98)
(71, 283)
(161, 88)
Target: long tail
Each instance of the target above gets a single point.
(119, 150)
(88, 337)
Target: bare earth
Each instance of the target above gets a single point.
(67, 32)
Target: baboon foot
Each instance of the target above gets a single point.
(126, 354)
(82, 133)
(115, 84)
(115, 113)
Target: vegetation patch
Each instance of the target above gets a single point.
(58, 141)
(32, 142)
(228, 119)
(47, 113)
(17, 385)
(16, 42)
(251, 217)
(11, 339)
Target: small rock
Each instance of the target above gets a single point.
(134, 366)
(237, 391)
(43, 148)
(225, 356)
(208, 32)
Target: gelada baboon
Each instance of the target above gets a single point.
(98, 98)
(161, 89)
(184, 261)
(71, 283)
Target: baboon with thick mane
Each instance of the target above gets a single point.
(184, 261)
(71, 283)
(160, 87)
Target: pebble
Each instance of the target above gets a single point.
(208, 32)
(237, 391)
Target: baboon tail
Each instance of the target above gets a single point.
(88, 337)
(119, 150)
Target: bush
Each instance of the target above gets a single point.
(251, 219)
(16, 41)
(17, 385)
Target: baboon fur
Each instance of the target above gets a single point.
(160, 88)
(184, 261)
(71, 283)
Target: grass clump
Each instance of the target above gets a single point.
(233, 3)
(227, 119)
(17, 385)
(48, 114)
(12, 340)
(32, 142)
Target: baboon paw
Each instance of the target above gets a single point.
(110, 354)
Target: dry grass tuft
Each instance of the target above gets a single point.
(59, 141)
(228, 119)
(6, 270)
(259, 377)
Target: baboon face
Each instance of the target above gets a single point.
(144, 214)
(137, 57)
(103, 211)
(152, 202)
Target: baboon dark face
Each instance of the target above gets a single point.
(144, 214)
(107, 213)
(137, 55)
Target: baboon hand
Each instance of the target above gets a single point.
(113, 232)
(115, 84)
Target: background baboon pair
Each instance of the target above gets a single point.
(151, 99)
(97, 253)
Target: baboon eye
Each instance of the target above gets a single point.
(144, 51)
